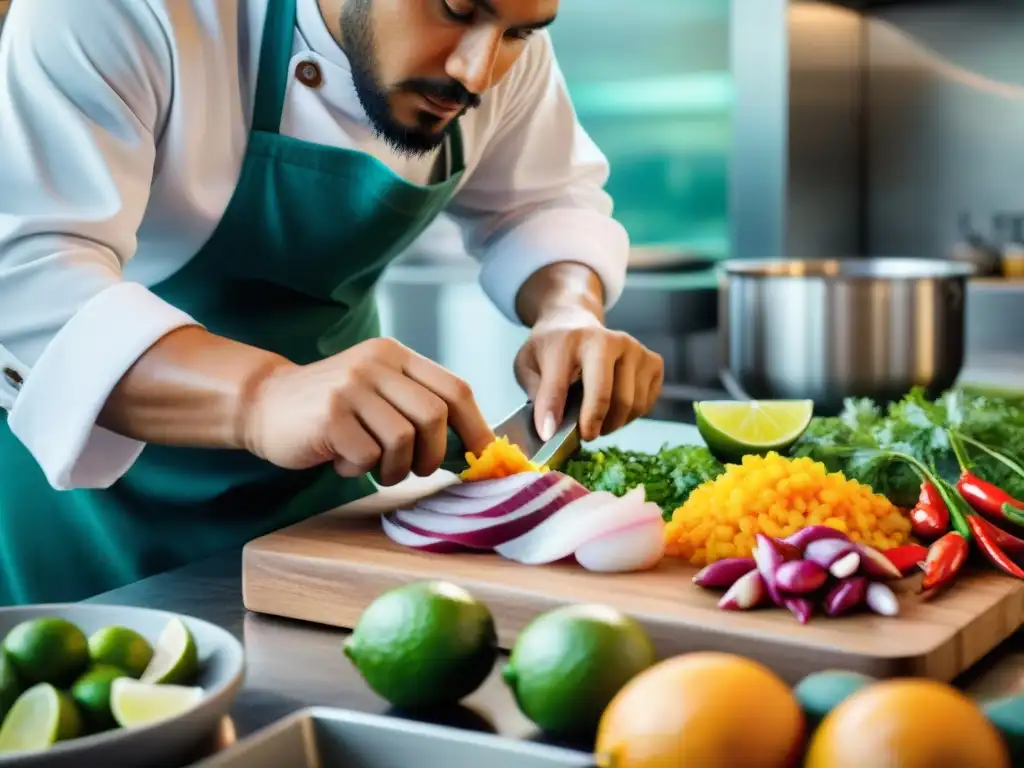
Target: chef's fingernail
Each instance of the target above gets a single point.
(548, 427)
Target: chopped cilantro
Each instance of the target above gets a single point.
(914, 425)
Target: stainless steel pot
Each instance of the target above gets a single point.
(831, 329)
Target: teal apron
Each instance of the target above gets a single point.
(292, 267)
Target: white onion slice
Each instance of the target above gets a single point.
(577, 523)
(479, 489)
(488, 532)
(445, 503)
(635, 548)
(406, 538)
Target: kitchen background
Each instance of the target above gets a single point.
(767, 129)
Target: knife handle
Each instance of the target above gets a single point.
(454, 454)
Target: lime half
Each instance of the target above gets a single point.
(176, 659)
(135, 703)
(41, 716)
(735, 428)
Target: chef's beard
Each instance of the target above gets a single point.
(360, 47)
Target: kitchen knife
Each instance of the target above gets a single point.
(519, 428)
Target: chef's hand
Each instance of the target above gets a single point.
(622, 379)
(376, 404)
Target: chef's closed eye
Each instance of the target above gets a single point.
(471, 11)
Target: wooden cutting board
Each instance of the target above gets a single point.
(329, 568)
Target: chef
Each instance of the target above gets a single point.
(197, 199)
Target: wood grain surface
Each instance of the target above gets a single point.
(329, 568)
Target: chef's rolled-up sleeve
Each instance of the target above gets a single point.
(537, 195)
(81, 91)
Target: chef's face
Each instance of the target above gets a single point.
(420, 64)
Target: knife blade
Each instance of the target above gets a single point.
(519, 427)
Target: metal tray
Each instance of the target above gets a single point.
(321, 737)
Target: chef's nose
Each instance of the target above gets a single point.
(472, 62)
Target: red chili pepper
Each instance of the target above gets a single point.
(1007, 542)
(982, 530)
(983, 496)
(945, 559)
(986, 497)
(930, 517)
(908, 557)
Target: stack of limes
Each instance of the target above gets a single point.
(57, 684)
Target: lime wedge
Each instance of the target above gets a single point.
(41, 716)
(175, 659)
(133, 702)
(735, 428)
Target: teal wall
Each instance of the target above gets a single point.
(651, 84)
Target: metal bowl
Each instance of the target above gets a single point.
(828, 329)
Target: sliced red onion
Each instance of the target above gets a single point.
(489, 532)
(502, 486)
(768, 557)
(882, 600)
(577, 523)
(445, 503)
(748, 591)
(846, 566)
(722, 574)
(877, 565)
(826, 551)
(406, 538)
(634, 548)
(801, 607)
(805, 536)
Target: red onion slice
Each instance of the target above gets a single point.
(577, 523)
(502, 486)
(406, 538)
(445, 503)
(635, 548)
(489, 532)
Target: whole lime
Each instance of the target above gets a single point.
(121, 647)
(10, 684)
(821, 692)
(568, 664)
(47, 650)
(425, 644)
(91, 693)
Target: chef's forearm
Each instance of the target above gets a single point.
(191, 388)
(559, 288)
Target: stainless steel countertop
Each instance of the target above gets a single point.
(292, 664)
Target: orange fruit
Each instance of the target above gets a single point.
(702, 709)
(911, 723)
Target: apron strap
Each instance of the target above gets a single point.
(272, 73)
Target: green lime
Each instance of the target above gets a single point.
(47, 650)
(91, 693)
(134, 702)
(568, 664)
(121, 647)
(734, 428)
(41, 716)
(425, 644)
(821, 692)
(10, 684)
(176, 659)
(1007, 715)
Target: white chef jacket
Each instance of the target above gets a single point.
(123, 125)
